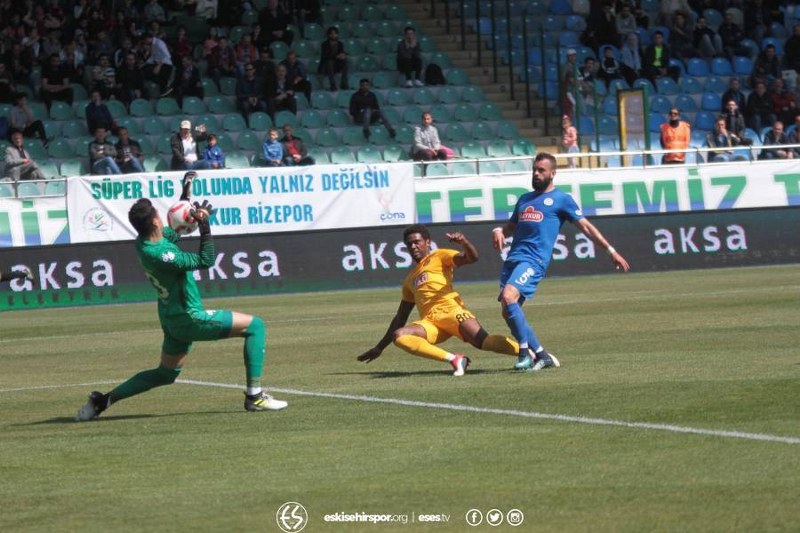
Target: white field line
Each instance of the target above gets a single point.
(470, 409)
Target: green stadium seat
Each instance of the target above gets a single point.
(482, 131)
(320, 156)
(497, 148)
(369, 154)
(209, 87)
(304, 134)
(145, 143)
(56, 187)
(378, 46)
(404, 134)
(440, 58)
(130, 123)
(338, 118)
(59, 149)
(328, 137)
(312, 119)
(424, 96)
(225, 142)
(392, 114)
(342, 155)
(306, 49)
(163, 144)
(233, 122)
(285, 117)
(220, 105)
(141, 108)
(75, 167)
(235, 34)
(464, 168)
(388, 28)
(38, 109)
(383, 80)
(371, 13)
(237, 160)
(154, 126)
(449, 95)
(61, 111)
(210, 121)
(27, 189)
(259, 121)
(49, 169)
(6, 190)
(434, 170)
(490, 167)
(174, 122)
(490, 111)
(455, 132)
(473, 150)
(473, 94)
(353, 136)
(154, 163)
(523, 147)
(412, 114)
(227, 86)
(465, 113)
(456, 76)
(36, 150)
(426, 44)
(167, 107)
(79, 91)
(193, 106)
(279, 50)
(507, 130)
(398, 97)
(441, 114)
(367, 63)
(117, 109)
(314, 32)
(248, 140)
(322, 100)
(343, 97)
(518, 165)
(394, 153)
(52, 128)
(379, 136)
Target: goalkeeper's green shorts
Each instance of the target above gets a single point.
(208, 326)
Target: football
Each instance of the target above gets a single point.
(180, 219)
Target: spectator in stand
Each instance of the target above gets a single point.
(250, 92)
(274, 22)
(333, 59)
(296, 72)
(102, 155)
(721, 138)
(569, 139)
(569, 83)
(265, 69)
(97, 114)
(642, 19)
(213, 153)
(305, 11)
(734, 123)
(609, 67)
(734, 93)
(130, 159)
(222, 61)
(365, 109)
(126, 45)
(104, 78)
(656, 60)
(784, 102)
(19, 164)
(409, 58)
(427, 145)
(757, 20)
(731, 36)
(55, 83)
(129, 80)
(282, 95)
(794, 136)
(20, 63)
(210, 42)
(246, 52)
(158, 63)
(188, 82)
(767, 66)
(73, 62)
(186, 148)
(8, 90)
(675, 135)
(21, 119)
(294, 150)
(667, 8)
(758, 112)
(587, 74)
(273, 149)
(605, 26)
(626, 22)
(153, 11)
(631, 59)
(681, 37)
(776, 137)
(181, 46)
(791, 50)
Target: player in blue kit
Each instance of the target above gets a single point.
(534, 225)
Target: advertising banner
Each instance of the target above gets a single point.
(98, 273)
(256, 200)
(33, 222)
(628, 191)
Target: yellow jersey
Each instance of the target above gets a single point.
(430, 283)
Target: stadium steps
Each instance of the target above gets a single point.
(481, 75)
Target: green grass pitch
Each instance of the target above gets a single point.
(712, 350)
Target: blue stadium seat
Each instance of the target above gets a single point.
(742, 66)
(721, 67)
(690, 86)
(705, 120)
(773, 41)
(715, 84)
(667, 86)
(713, 18)
(660, 104)
(711, 102)
(686, 103)
(607, 125)
(698, 67)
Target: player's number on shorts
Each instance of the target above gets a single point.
(163, 293)
(463, 317)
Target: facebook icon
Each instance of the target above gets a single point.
(474, 517)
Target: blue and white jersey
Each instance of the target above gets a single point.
(539, 217)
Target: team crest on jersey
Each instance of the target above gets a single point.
(548, 202)
(422, 278)
(529, 214)
(168, 257)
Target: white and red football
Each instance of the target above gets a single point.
(180, 219)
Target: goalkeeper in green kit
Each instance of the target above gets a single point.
(180, 310)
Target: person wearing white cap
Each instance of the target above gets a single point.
(186, 148)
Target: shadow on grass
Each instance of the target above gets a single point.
(112, 418)
(423, 373)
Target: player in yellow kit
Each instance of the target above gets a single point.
(443, 314)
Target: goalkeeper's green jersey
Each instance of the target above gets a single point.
(169, 269)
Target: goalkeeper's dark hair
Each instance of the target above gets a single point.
(141, 216)
(416, 228)
(541, 156)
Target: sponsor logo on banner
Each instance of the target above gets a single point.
(97, 219)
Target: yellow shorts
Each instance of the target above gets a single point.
(441, 324)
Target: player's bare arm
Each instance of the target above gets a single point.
(469, 254)
(591, 230)
(500, 233)
(399, 320)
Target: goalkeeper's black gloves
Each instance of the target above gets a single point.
(202, 214)
(186, 192)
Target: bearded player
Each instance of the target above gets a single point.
(180, 309)
(443, 314)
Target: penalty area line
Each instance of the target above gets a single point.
(523, 414)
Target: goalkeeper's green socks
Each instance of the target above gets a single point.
(254, 340)
(144, 381)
